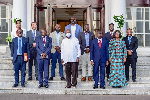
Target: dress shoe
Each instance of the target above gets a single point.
(51, 78)
(36, 78)
(30, 78)
(46, 86)
(134, 80)
(41, 85)
(62, 78)
(83, 79)
(95, 87)
(89, 78)
(15, 85)
(103, 87)
(23, 85)
(68, 87)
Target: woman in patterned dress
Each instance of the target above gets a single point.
(117, 58)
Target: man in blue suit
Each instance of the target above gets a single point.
(75, 28)
(99, 57)
(108, 36)
(43, 47)
(19, 46)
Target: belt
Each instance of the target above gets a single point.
(19, 55)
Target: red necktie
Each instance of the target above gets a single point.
(112, 35)
(44, 40)
(99, 43)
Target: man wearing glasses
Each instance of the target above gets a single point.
(75, 28)
(108, 36)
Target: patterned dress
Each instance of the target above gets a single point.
(117, 52)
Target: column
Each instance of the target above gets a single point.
(19, 11)
(118, 7)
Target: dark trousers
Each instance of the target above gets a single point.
(56, 56)
(108, 70)
(96, 73)
(33, 54)
(19, 64)
(43, 66)
(131, 61)
(71, 68)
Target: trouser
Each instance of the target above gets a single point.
(20, 64)
(43, 66)
(108, 70)
(56, 56)
(71, 68)
(96, 73)
(33, 54)
(131, 61)
(85, 60)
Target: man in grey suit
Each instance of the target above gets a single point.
(85, 39)
(32, 36)
(57, 38)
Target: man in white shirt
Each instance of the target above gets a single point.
(70, 53)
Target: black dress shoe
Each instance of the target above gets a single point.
(134, 80)
(23, 85)
(62, 78)
(30, 78)
(15, 85)
(46, 86)
(95, 87)
(103, 87)
(41, 85)
(118, 86)
(51, 78)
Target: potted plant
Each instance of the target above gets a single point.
(120, 21)
(9, 39)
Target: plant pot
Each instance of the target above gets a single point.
(10, 45)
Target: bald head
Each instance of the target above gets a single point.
(68, 31)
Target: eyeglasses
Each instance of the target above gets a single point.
(111, 26)
(129, 32)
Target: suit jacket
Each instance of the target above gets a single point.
(82, 40)
(78, 29)
(54, 40)
(97, 53)
(14, 47)
(107, 36)
(132, 46)
(30, 38)
(43, 49)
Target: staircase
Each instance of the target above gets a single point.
(141, 87)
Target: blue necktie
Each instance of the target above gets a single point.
(34, 35)
(129, 39)
(20, 46)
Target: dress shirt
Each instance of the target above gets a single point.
(18, 46)
(128, 38)
(100, 39)
(33, 32)
(73, 30)
(70, 49)
(45, 39)
(87, 39)
(57, 38)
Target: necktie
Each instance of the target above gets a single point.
(99, 43)
(34, 35)
(112, 35)
(44, 40)
(20, 46)
(129, 39)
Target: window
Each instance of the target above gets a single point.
(5, 23)
(138, 19)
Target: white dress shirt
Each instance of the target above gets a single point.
(100, 39)
(70, 50)
(73, 30)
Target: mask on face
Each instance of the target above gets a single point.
(57, 31)
(68, 34)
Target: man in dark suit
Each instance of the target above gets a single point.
(132, 45)
(19, 46)
(108, 36)
(85, 39)
(99, 57)
(32, 36)
(43, 47)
